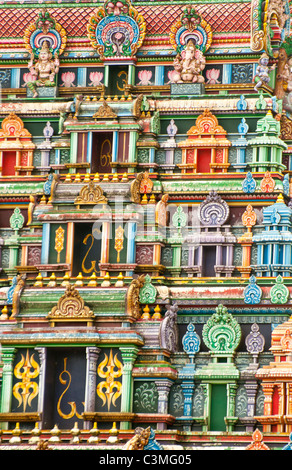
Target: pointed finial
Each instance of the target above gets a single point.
(79, 280)
(146, 313)
(113, 435)
(106, 282)
(94, 439)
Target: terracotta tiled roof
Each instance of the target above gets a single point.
(221, 17)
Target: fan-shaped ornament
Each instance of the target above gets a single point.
(45, 28)
(222, 333)
(191, 26)
(116, 30)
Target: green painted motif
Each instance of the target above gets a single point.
(17, 219)
(279, 292)
(222, 333)
(148, 292)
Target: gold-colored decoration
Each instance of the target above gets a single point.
(90, 194)
(135, 189)
(146, 184)
(110, 389)
(139, 440)
(286, 128)
(30, 209)
(59, 241)
(26, 370)
(16, 433)
(133, 303)
(161, 211)
(94, 432)
(86, 270)
(105, 156)
(104, 112)
(65, 379)
(16, 295)
(113, 435)
(53, 281)
(119, 241)
(70, 307)
(4, 313)
(146, 313)
(258, 41)
(124, 81)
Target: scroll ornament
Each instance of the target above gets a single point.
(279, 292)
(221, 333)
(71, 306)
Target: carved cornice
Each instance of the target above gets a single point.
(71, 307)
(90, 194)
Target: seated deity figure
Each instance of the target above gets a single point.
(44, 70)
(189, 64)
(262, 75)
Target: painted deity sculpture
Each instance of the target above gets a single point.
(263, 71)
(44, 70)
(189, 64)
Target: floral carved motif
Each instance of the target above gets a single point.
(267, 183)
(279, 292)
(257, 442)
(133, 303)
(249, 217)
(221, 333)
(116, 30)
(71, 307)
(12, 126)
(213, 211)
(91, 194)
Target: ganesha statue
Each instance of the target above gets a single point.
(44, 70)
(188, 65)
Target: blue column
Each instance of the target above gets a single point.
(131, 242)
(15, 78)
(89, 147)
(81, 76)
(115, 149)
(188, 387)
(45, 243)
(159, 75)
(227, 73)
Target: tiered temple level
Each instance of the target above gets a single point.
(145, 222)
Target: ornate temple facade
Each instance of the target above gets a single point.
(146, 224)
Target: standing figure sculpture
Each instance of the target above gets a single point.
(44, 70)
(189, 64)
(263, 71)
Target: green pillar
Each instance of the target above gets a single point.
(8, 354)
(132, 149)
(131, 74)
(73, 149)
(129, 354)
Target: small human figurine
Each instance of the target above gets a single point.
(263, 71)
(189, 64)
(44, 70)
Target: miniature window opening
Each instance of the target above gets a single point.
(87, 249)
(101, 155)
